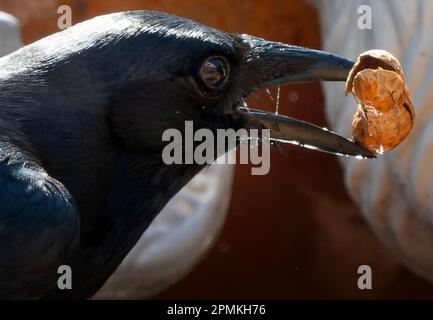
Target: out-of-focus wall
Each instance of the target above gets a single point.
(39, 17)
(293, 233)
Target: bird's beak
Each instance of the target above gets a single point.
(274, 64)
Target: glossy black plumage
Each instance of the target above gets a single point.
(68, 96)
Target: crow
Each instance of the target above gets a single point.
(82, 113)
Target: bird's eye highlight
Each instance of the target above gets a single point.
(214, 72)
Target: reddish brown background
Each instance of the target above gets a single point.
(293, 233)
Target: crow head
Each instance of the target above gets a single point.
(105, 90)
(187, 71)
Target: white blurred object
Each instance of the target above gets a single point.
(10, 34)
(176, 240)
(181, 234)
(395, 191)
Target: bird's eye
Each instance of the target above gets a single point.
(214, 72)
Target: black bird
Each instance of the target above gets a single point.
(81, 119)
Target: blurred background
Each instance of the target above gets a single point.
(294, 233)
